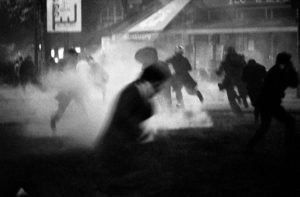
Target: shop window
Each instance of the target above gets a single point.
(112, 15)
(254, 14)
(239, 15)
(60, 53)
(251, 46)
(284, 13)
(52, 53)
(219, 15)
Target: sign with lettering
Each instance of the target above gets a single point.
(142, 36)
(63, 15)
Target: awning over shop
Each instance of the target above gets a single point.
(160, 19)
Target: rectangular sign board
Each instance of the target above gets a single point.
(63, 15)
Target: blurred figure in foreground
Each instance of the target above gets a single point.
(232, 67)
(254, 75)
(64, 97)
(281, 76)
(118, 148)
(148, 56)
(182, 77)
(120, 162)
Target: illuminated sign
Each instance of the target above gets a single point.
(142, 36)
(64, 15)
(160, 19)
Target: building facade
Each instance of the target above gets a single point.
(258, 29)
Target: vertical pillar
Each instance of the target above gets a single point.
(298, 47)
(36, 30)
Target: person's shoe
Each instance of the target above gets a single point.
(200, 96)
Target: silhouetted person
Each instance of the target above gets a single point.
(148, 56)
(119, 145)
(64, 97)
(70, 60)
(182, 77)
(27, 71)
(98, 75)
(254, 75)
(17, 65)
(281, 76)
(232, 67)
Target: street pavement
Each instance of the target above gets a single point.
(193, 161)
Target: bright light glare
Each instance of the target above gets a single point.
(78, 49)
(52, 53)
(60, 53)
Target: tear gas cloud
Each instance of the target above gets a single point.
(88, 113)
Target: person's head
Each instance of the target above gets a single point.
(179, 50)
(251, 62)
(146, 56)
(71, 56)
(156, 75)
(283, 58)
(231, 50)
(71, 53)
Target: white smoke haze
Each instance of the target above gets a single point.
(88, 114)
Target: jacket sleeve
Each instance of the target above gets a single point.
(244, 75)
(132, 111)
(292, 77)
(188, 65)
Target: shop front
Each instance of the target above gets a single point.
(257, 29)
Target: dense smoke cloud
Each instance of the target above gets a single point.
(88, 114)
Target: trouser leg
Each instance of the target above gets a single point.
(62, 106)
(262, 130)
(231, 95)
(290, 127)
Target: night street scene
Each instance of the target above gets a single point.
(144, 98)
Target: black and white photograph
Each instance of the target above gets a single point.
(149, 98)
